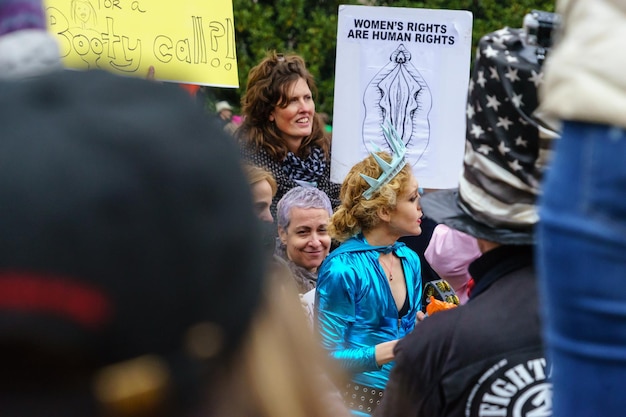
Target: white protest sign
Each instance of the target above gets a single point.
(409, 67)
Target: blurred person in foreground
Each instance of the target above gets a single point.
(281, 371)
(119, 225)
(132, 275)
(486, 357)
(369, 289)
(582, 232)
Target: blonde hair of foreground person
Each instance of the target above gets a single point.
(356, 213)
(281, 369)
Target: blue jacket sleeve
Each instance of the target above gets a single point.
(335, 301)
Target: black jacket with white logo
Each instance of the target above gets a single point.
(482, 359)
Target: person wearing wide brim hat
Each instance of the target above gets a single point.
(488, 353)
(224, 116)
(224, 110)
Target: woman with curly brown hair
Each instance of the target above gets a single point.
(369, 288)
(280, 131)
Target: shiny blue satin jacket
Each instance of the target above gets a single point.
(355, 309)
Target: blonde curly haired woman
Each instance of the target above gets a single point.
(369, 288)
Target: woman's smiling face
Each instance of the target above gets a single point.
(295, 121)
(306, 238)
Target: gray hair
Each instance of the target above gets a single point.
(301, 197)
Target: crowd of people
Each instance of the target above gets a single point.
(146, 271)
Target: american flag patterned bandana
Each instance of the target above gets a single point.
(504, 156)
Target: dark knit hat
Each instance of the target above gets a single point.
(126, 230)
(504, 154)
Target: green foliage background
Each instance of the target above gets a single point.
(309, 28)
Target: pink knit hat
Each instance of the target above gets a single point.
(449, 253)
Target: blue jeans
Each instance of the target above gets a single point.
(581, 256)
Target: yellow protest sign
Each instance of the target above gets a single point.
(186, 41)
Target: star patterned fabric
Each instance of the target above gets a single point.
(501, 175)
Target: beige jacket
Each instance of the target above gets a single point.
(585, 73)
